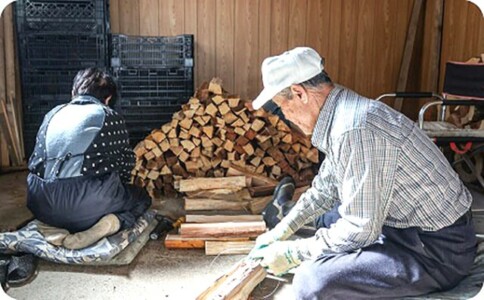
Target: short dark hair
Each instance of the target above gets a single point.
(97, 83)
(321, 78)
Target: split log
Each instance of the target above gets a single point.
(225, 229)
(196, 184)
(222, 218)
(210, 204)
(223, 247)
(214, 133)
(176, 241)
(237, 284)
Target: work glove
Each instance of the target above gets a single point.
(280, 233)
(278, 257)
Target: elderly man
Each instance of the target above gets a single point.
(81, 165)
(404, 226)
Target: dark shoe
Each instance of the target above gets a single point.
(4, 262)
(21, 270)
(281, 202)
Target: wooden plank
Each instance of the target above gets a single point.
(129, 16)
(265, 33)
(197, 204)
(257, 205)
(171, 17)
(114, 16)
(408, 52)
(196, 184)
(222, 218)
(347, 44)
(4, 150)
(364, 42)
(279, 26)
(237, 283)
(318, 18)
(149, 17)
(246, 60)
(225, 229)
(176, 241)
(222, 194)
(334, 56)
(225, 26)
(206, 55)
(297, 29)
(10, 82)
(257, 179)
(228, 248)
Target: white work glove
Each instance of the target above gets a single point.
(280, 233)
(278, 257)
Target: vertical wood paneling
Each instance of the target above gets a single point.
(246, 60)
(206, 40)
(172, 13)
(114, 15)
(318, 25)
(129, 17)
(265, 32)
(148, 10)
(349, 14)
(463, 33)
(364, 41)
(279, 26)
(297, 27)
(332, 57)
(10, 80)
(4, 155)
(190, 20)
(224, 44)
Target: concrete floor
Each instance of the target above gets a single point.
(156, 273)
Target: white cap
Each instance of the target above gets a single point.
(291, 67)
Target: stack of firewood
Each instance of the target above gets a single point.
(213, 135)
(223, 214)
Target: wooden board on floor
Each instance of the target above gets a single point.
(219, 230)
(228, 247)
(221, 218)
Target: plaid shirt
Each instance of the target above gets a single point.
(382, 169)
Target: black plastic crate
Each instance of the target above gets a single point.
(60, 51)
(47, 85)
(67, 16)
(155, 83)
(151, 52)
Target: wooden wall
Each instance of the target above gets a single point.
(362, 40)
(9, 94)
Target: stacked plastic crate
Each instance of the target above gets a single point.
(56, 39)
(154, 76)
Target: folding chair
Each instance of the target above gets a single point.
(463, 87)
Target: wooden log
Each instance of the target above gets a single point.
(224, 229)
(237, 283)
(258, 191)
(257, 179)
(222, 194)
(228, 247)
(215, 86)
(195, 184)
(218, 99)
(234, 102)
(222, 218)
(193, 204)
(176, 241)
(257, 205)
